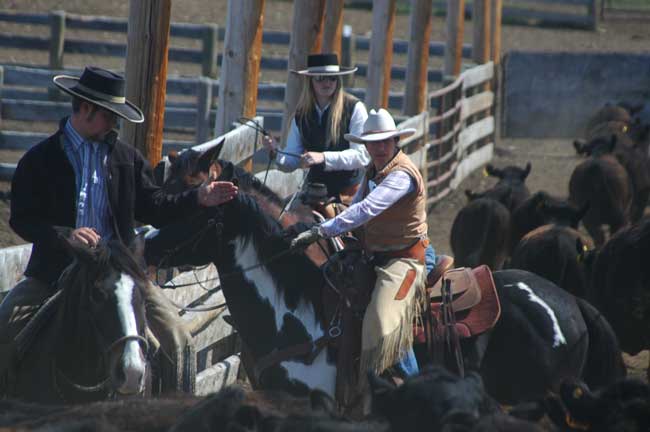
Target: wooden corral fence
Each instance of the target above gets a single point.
(625, 8)
(208, 56)
(454, 137)
(580, 14)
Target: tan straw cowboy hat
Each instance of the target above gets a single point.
(378, 127)
(103, 88)
(324, 65)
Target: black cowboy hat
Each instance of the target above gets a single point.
(324, 64)
(101, 87)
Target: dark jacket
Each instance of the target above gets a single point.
(44, 200)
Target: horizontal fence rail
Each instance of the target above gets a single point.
(523, 12)
(208, 34)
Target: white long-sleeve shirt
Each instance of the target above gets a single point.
(353, 158)
(396, 185)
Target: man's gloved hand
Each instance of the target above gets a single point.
(306, 238)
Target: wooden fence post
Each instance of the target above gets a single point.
(418, 57)
(380, 58)
(592, 9)
(2, 83)
(496, 15)
(57, 46)
(146, 74)
(455, 25)
(481, 16)
(348, 54)
(210, 50)
(57, 39)
(306, 35)
(241, 64)
(333, 26)
(204, 104)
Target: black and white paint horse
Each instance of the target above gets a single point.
(88, 341)
(274, 298)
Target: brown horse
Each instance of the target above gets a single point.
(86, 343)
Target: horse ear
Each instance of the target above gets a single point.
(579, 145)
(209, 156)
(322, 402)
(527, 171)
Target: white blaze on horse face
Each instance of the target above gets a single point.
(558, 338)
(132, 363)
(319, 374)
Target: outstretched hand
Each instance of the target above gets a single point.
(216, 192)
(306, 238)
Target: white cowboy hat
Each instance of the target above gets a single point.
(325, 65)
(378, 127)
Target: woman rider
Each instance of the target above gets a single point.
(316, 139)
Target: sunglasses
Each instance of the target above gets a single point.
(321, 78)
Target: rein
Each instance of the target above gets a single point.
(102, 385)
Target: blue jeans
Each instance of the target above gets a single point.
(430, 259)
(408, 365)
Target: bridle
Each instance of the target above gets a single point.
(103, 385)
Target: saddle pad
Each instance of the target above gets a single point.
(465, 289)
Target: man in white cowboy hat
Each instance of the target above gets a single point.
(316, 138)
(390, 209)
(85, 184)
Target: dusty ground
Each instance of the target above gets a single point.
(552, 160)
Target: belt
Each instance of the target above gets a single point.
(416, 251)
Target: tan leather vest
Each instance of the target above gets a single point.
(405, 222)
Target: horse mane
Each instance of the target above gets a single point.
(266, 199)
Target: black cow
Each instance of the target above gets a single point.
(480, 234)
(510, 190)
(428, 401)
(624, 120)
(603, 184)
(620, 285)
(635, 162)
(621, 406)
(556, 252)
(541, 209)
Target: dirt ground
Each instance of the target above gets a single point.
(552, 160)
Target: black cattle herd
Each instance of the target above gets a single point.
(605, 265)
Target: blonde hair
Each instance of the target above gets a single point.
(307, 104)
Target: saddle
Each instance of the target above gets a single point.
(474, 302)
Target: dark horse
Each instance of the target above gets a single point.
(87, 341)
(274, 298)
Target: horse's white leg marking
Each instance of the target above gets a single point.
(558, 336)
(132, 362)
(317, 375)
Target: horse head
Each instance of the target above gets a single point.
(103, 317)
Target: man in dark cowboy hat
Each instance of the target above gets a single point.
(85, 184)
